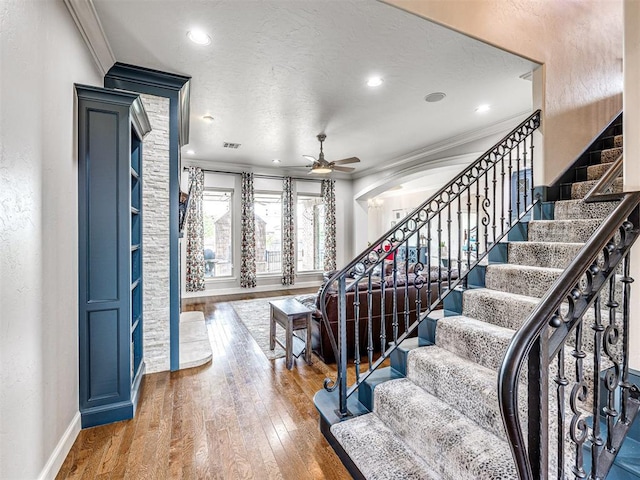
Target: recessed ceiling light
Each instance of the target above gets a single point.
(435, 97)
(483, 108)
(276, 160)
(190, 152)
(374, 81)
(199, 37)
(208, 118)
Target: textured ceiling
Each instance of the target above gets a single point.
(278, 72)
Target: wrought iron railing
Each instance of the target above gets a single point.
(387, 290)
(580, 403)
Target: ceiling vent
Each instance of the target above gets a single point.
(230, 145)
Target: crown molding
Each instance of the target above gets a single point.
(86, 19)
(418, 156)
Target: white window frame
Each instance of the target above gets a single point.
(232, 216)
(321, 267)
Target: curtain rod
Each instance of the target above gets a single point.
(260, 175)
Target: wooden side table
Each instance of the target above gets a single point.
(291, 315)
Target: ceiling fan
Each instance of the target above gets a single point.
(320, 165)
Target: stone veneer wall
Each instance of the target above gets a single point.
(155, 236)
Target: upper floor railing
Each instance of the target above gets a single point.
(387, 290)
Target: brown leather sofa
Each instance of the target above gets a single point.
(320, 334)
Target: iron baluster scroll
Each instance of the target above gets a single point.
(408, 271)
(575, 346)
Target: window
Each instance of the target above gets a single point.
(310, 233)
(218, 236)
(268, 212)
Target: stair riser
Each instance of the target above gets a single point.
(617, 141)
(505, 311)
(551, 255)
(595, 172)
(577, 231)
(580, 189)
(610, 154)
(477, 342)
(531, 282)
(574, 209)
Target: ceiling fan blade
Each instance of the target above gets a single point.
(309, 157)
(346, 161)
(343, 169)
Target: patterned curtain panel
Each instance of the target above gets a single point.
(329, 198)
(195, 233)
(248, 254)
(288, 234)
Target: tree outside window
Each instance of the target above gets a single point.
(218, 233)
(268, 214)
(310, 233)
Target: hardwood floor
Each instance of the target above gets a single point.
(239, 417)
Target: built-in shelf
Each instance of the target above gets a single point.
(111, 125)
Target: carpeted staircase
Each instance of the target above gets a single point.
(441, 420)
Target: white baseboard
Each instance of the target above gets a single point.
(61, 451)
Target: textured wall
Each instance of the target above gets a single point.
(580, 45)
(38, 234)
(632, 150)
(155, 231)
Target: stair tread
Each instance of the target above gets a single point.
(378, 452)
(454, 445)
(481, 343)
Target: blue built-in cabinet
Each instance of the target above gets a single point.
(111, 125)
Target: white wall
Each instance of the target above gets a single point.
(579, 44)
(41, 56)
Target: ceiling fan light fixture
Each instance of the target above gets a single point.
(321, 170)
(199, 37)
